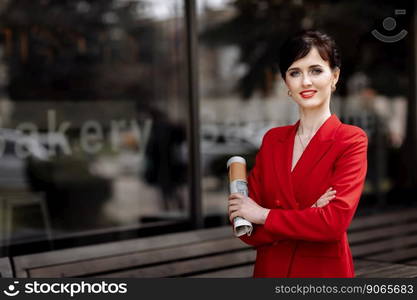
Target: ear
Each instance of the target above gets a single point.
(335, 75)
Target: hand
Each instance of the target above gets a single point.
(325, 198)
(245, 207)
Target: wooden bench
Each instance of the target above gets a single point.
(383, 245)
(180, 254)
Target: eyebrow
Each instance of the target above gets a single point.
(310, 67)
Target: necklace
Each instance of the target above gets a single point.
(299, 137)
(301, 142)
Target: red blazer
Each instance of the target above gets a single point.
(296, 239)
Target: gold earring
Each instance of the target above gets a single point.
(289, 93)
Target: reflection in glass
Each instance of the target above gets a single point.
(242, 94)
(92, 126)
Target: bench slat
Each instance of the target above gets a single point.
(379, 233)
(238, 272)
(383, 246)
(372, 268)
(158, 256)
(392, 271)
(190, 266)
(396, 217)
(362, 264)
(57, 257)
(396, 256)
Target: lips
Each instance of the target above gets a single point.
(308, 93)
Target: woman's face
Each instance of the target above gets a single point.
(310, 80)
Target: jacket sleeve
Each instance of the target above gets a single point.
(328, 223)
(259, 235)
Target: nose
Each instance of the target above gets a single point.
(306, 80)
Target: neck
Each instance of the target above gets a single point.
(310, 121)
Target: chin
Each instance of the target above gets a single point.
(310, 103)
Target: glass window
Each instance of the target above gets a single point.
(93, 127)
(243, 95)
(231, 123)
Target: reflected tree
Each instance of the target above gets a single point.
(77, 49)
(259, 28)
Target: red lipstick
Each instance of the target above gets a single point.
(308, 93)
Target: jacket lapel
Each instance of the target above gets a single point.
(315, 150)
(282, 163)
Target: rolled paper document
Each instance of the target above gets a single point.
(239, 184)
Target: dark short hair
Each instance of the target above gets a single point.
(300, 44)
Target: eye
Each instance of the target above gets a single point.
(295, 73)
(316, 71)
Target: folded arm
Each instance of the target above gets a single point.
(327, 223)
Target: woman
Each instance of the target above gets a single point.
(308, 177)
